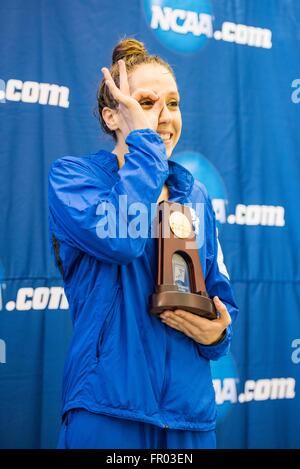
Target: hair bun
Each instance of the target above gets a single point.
(128, 48)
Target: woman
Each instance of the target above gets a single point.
(133, 380)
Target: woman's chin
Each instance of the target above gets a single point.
(169, 152)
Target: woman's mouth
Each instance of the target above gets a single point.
(166, 137)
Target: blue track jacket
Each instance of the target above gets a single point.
(122, 361)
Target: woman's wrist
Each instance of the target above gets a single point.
(220, 338)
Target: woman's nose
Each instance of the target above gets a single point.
(165, 114)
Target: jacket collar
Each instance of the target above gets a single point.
(180, 181)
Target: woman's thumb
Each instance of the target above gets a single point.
(221, 308)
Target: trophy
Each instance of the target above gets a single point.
(180, 283)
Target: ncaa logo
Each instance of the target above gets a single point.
(205, 172)
(180, 25)
(34, 92)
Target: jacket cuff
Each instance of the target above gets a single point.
(213, 352)
(149, 134)
(146, 142)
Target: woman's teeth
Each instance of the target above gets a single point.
(166, 137)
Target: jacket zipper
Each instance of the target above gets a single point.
(106, 324)
(162, 392)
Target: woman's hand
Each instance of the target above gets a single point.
(131, 115)
(202, 330)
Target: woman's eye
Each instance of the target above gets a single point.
(173, 103)
(146, 102)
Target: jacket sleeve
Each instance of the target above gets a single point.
(217, 284)
(80, 205)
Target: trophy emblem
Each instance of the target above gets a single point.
(180, 283)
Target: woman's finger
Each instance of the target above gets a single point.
(183, 324)
(124, 85)
(106, 73)
(145, 93)
(114, 90)
(221, 308)
(178, 327)
(194, 319)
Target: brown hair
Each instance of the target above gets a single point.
(56, 249)
(133, 53)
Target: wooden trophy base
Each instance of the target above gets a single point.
(179, 283)
(196, 303)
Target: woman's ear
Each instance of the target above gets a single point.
(110, 118)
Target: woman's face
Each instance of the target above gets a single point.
(158, 79)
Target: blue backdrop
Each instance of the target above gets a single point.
(238, 69)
